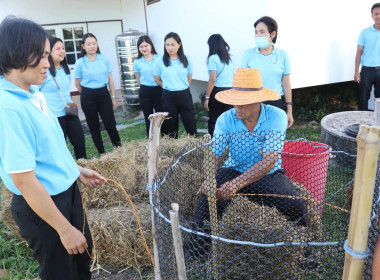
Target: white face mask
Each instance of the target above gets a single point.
(262, 42)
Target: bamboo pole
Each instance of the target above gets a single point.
(177, 242)
(368, 141)
(211, 195)
(156, 121)
(377, 111)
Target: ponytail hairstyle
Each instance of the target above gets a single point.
(181, 54)
(218, 46)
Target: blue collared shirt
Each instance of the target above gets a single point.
(272, 66)
(93, 74)
(145, 69)
(369, 38)
(32, 139)
(175, 76)
(224, 72)
(56, 102)
(246, 148)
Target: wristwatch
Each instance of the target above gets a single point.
(289, 103)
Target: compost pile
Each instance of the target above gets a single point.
(114, 227)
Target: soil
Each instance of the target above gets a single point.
(122, 274)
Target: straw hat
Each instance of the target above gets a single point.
(247, 88)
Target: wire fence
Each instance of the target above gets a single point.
(256, 207)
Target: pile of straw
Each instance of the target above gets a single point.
(5, 210)
(245, 220)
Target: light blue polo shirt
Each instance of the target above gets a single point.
(145, 69)
(272, 66)
(224, 72)
(52, 96)
(174, 77)
(93, 74)
(247, 148)
(369, 38)
(32, 141)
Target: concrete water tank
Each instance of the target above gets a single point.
(126, 47)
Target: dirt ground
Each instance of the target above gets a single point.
(120, 274)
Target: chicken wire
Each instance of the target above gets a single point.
(290, 223)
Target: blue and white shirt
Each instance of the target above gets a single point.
(32, 139)
(145, 69)
(224, 72)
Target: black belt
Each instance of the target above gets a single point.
(375, 68)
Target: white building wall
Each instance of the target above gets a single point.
(320, 36)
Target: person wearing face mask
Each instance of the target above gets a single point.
(273, 64)
(150, 92)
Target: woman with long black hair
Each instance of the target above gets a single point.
(56, 89)
(92, 73)
(150, 92)
(221, 72)
(174, 73)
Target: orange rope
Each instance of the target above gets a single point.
(297, 197)
(134, 211)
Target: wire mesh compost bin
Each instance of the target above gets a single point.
(243, 216)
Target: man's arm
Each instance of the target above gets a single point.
(358, 57)
(255, 173)
(40, 201)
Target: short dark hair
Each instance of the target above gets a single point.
(85, 36)
(147, 40)
(22, 44)
(53, 41)
(377, 5)
(181, 53)
(270, 23)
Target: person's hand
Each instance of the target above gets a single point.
(73, 241)
(205, 105)
(357, 77)
(226, 191)
(90, 177)
(114, 103)
(290, 120)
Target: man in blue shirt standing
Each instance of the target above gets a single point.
(368, 55)
(254, 134)
(35, 164)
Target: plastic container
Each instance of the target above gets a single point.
(306, 162)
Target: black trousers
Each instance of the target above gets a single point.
(97, 102)
(150, 99)
(179, 103)
(216, 108)
(277, 103)
(370, 76)
(275, 183)
(72, 129)
(54, 261)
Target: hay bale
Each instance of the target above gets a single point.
(245, 220)
(5, 210)
(117, 237)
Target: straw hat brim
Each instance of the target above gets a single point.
(237, 97)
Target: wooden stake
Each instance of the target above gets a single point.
(366, 165)
(156, 121)
(177, 242)
(211, 195)
(377, 111)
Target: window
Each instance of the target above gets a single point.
(71, 35)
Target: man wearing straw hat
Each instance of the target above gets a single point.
(254, 134)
